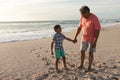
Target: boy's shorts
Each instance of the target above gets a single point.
(59, 53)
(85, 45)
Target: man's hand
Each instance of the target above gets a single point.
(94, 45)
(75, 40)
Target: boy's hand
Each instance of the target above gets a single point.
(52, 53)
(73, 41)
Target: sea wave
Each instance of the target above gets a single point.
(27, 30)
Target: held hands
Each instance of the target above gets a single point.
(75, 40)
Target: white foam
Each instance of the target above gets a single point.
(10, 32)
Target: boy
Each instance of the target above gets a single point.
(58, 40)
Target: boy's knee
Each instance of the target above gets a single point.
(63, 57)
(57, 60)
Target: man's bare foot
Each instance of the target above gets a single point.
(66, 68)
(80, 67)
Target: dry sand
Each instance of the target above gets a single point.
(31, 60)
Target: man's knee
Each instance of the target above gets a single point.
(91, 53)
(82, 52)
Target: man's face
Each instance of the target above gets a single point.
(85, 15)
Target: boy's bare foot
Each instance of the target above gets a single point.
(66, 68)
(58, 71)
(80, 67)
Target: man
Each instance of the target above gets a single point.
(90, 26)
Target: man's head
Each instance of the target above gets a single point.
(57, 28)
(85, 11)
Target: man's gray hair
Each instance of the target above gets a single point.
(84, 9)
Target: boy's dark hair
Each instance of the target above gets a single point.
(84, 9)
(56, 27)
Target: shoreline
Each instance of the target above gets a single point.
(116, 25)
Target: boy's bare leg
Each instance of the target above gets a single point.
(91, 57)
(64, 62)
(57, 64)
(82, 59)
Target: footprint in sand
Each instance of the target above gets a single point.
(71, 65)
(72, 51)
(40, 47)
(38, 78)
(44, 59)
(32, 50)
(54, 76)
(17, 79)
(51, 70)
(36, 52)
(48, 62)
(44, 76)
(71, 72)
(115, 78)
(38, 55)
(46, 51)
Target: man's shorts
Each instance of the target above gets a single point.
(59, 53)
(85, 45)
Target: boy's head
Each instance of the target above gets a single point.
(57, 28)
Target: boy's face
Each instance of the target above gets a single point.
(58, 30)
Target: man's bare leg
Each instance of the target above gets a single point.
(91, 57)
(82, 60)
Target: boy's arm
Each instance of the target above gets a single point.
(52, 47)
(68, 39)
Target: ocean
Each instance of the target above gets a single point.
(28, 30)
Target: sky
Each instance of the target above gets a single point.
(39, 10)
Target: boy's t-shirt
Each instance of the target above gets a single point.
(88, 27)
(58, 40)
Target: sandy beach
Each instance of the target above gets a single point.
(31, 60)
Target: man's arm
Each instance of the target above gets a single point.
(52, 47)
(97, 32)
(77, 33)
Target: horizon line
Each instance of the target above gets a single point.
(28, 21)
(34, 21)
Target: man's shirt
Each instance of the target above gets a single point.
(88, 27)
